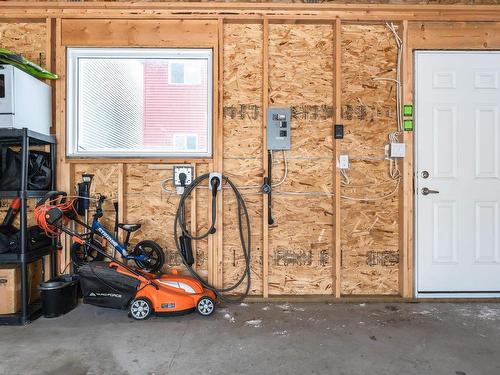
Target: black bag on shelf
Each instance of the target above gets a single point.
(10, 239)
(105, 287)
(39, 170)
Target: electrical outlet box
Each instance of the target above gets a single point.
(398, 150)
(188, 170)
(215, 175)
(278, 128)
(344, 161)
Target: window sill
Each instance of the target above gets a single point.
(131, 160)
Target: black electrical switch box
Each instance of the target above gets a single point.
(282, 133)
(283, 124)
(339, 131)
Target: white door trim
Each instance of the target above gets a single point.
(415, 196)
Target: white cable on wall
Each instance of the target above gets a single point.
(369, 199)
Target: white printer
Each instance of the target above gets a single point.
(25, 102)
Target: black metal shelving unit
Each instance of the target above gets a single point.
(26, 138)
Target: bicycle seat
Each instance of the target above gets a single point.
(129, 227)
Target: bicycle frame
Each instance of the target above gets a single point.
(98, 228)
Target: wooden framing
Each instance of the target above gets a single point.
(265, 200)
(337, 97)
(202, 25)
(406, 191)
(218, 151)
(144, 33)
(251, 11)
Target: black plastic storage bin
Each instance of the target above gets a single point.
(59, 295)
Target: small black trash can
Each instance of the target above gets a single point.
(59, 295)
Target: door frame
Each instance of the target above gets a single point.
(418, 294)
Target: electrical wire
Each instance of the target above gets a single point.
(399, 44)
(365, 199)
(180, 222)
(345, 177)
(394, 172)
(305, 193)
(285, 174)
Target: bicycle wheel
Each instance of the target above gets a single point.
(83, 253)
(155, 258)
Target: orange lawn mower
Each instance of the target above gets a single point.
(114, 284)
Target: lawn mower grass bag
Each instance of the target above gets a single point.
(105, 287)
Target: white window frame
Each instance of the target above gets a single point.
(73, 56)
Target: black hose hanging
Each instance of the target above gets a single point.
(180, 221)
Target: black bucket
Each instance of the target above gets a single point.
(59, 295)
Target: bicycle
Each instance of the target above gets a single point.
(147, 254)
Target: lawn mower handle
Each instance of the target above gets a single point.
(52, 195)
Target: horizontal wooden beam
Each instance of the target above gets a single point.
(142, 33)
(250, 11)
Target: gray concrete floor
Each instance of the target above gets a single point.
(274, 338)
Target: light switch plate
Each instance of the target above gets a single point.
(344, 161)
(186, 169)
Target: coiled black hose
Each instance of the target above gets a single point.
(180, 222)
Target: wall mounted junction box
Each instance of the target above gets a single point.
(398, 150)
(187, 170)
(278, 128)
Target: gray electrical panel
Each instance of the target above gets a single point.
(279, 127)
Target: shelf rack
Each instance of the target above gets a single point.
(26, 138)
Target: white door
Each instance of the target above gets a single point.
(458, 162)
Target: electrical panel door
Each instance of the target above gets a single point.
(279, 127)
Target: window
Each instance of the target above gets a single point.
(185, 142)
(139, 102)
(185, 73)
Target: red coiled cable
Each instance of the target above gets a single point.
(41, 215)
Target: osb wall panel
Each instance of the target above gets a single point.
(242, 139)
(301, 243)
(369, 236)
(105, 182)
(26, 39)
(148, 205)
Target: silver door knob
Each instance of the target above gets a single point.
(427, 191)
